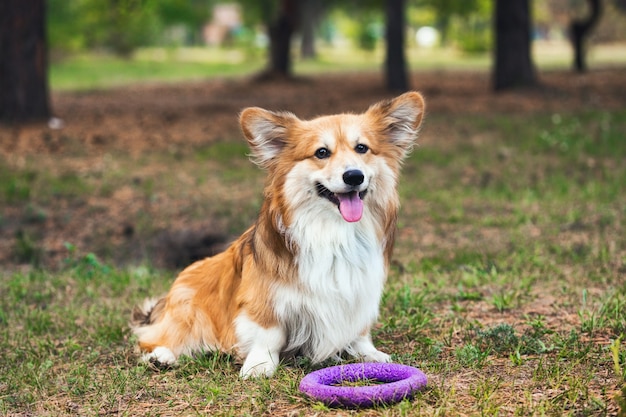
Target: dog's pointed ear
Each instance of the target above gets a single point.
(267, 133)
(399, 119)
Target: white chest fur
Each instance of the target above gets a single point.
(341, 277)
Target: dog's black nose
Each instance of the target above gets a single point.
(353, 177)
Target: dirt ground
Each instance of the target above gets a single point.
(146, 117)
(140, 119)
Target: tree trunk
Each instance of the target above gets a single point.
(579, 31)
(395, 62)
(280, 33)
(23, 61)
(513, 62)
(309, 14)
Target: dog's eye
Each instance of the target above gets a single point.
(322, 153)
(360, 148)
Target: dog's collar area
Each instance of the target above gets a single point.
(332, 197)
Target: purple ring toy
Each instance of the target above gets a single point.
(399, 382)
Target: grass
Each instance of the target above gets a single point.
(91, 71)
(95, 71)
(507, 290)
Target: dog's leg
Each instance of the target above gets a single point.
(161, 355)
(263, 346)
(364, 349)
(264, 354)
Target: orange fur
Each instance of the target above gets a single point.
(257, 285)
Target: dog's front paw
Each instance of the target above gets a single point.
(265, 344)
(161, 357)
(377, 356)
(363, 348)
(256, 370)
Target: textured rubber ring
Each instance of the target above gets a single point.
(398, 382)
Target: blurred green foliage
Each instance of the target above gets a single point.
(120, 26)
(465, 24)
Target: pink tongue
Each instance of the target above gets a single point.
(350, 206)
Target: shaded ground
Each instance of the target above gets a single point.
(147, 117)
(135, 121)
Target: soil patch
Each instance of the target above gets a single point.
(146, 117)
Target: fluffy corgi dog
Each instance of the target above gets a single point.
(308, 276)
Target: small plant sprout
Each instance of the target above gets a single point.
(619, 357)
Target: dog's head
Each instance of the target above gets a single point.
(345, 160)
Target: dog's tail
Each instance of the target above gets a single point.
(147, 313)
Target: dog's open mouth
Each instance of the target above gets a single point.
(350, 204)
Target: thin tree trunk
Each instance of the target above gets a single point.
(23, 61)
(579, 31)
(280, 33)
(513, 62)
(309, 13)
(395, 62)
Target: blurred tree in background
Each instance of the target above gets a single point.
(507, 27)
(579, 31)
(280, 29)
(395, 32)
(311, 13)
(513, 64)
(23, 61)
